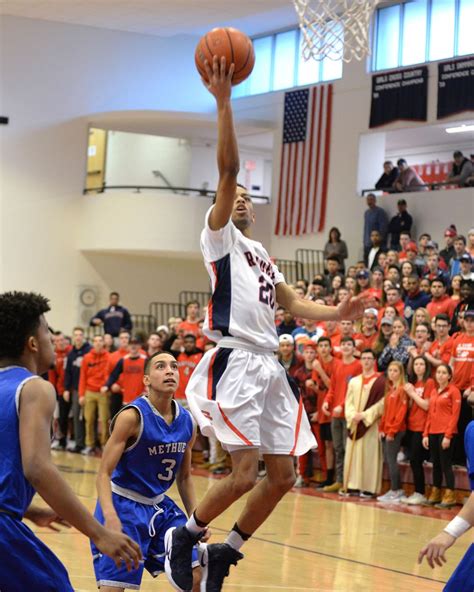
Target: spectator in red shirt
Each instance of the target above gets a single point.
(419, 391)
(94, 374)
(392, 428)
(334, 405)
(422, 343)
(440, 428)
(346, 330)
(191, 324)
(440, 350)
(462, 363)
(393, 299)
(129, 372)
(323, 369)
(440, 302)
(56, 377)
(405, 239)
(187, 359)
(303, 377)
(368, 335)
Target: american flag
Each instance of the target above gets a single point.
(304, 164)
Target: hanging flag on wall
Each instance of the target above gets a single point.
(304, 166)
(455, 86)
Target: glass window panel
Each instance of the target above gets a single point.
(284, 60)
(414, 32)
(388, 33)
(259, 80)
(442, 29)
(332, 64)
(466, 27)
(308, 71)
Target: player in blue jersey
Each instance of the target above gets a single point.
(27, 405)
(149, 448)
(462, 579)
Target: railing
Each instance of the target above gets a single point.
(291, 269)
(312, 262)
(143, 323)
(181, 190)
(162, 311)
(188, 295)
(430, 186)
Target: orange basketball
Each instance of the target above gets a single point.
(234, 45)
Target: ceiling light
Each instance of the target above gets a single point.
(460, 129)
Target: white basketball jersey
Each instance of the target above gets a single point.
(243, 282)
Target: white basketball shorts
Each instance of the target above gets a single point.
(244, 398)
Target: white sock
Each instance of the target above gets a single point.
(234, 540)
(193, 526)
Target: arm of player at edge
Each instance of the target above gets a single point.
(228, 163)
(36, 408)
(351, 307)
(435, 550)
(124, 430)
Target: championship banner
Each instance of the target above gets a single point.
(399, 94)
(455, 86)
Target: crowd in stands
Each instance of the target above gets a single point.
(398, 383)
(402, 178)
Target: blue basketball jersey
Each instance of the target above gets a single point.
(149, 466)
(16, 492)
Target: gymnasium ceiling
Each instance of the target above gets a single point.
(160, 17)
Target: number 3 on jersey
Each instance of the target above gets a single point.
(168, 466)
(266, 292)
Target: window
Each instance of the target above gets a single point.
(279, 65)
(422, 30)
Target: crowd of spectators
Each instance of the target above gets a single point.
(402, 178)
(418, 337)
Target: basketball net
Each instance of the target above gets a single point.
(335, 29)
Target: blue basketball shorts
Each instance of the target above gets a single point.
(147, 526)
(27, 563)
(462, 579)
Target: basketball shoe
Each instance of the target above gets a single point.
(179, 543)
(215, 563)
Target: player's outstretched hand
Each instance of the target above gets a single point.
(218, 83)
(120, 548)
(352, 307)
(434, 551)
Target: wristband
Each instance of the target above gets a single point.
(457, 527)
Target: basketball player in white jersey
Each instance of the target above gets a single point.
(239, 392)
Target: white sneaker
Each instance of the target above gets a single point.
(71, 445)
(405, 499)
(56, 445)
(386, 497)
(300, 482)
(397, 496)
(87, 451)
(416, 499)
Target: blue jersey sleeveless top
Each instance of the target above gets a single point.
(16, 492)
(148, 467)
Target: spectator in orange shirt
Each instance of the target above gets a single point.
(419, 391)
(56, 377)
(129, 372)
(462, 363)
(440, 301)
(93, 376)
(440, 350)
(392, 428)
(334, 405)
(187, 359)
(122, 351)
(191, 324)
(368, 335)
(347, 330)
(440, 428)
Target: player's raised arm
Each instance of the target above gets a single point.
(219, 84)
(349, 308)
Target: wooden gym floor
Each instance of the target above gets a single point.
(310, 543)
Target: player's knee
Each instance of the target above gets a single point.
(243, 483)
(284, 482)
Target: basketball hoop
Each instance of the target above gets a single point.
(335, 29)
